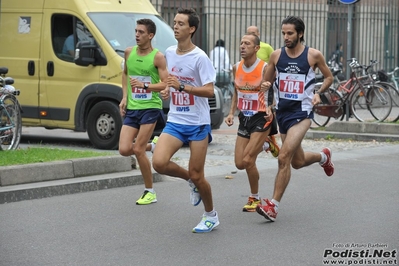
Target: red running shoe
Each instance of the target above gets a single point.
(268, 211)
(328, 165)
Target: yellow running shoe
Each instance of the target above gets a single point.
(251, 205)
(153, 143)
(273, 146)
(155, 139)
(147, 198)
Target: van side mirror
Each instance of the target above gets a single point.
(87, 53)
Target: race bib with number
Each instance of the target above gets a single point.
(141, 93)
(182, 102)
(248, 103)
(292, 86)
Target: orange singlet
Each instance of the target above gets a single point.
(247, 82)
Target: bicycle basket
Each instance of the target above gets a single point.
(382, 75)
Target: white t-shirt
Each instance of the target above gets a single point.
(220, 59)
(192, 69)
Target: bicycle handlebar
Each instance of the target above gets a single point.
(396, 69)
(6, 81)
(354, 64)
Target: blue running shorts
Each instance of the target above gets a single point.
(288, 119)
(135, 118)
(187, 133)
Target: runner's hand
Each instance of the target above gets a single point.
(269, 114)
(172, 81)
(164, 93)
(316, 99)
(265, 86)
(135, 83)
(122, 107)
(229, 120)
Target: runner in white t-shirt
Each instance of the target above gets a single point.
(190, 84)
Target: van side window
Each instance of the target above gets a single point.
(61, 28)
(64, 30)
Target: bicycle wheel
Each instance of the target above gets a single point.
(320, 120)
(10, 123)
(333, 97)
(394, 115)
(378, 102)
(360, 101)
(393, 90)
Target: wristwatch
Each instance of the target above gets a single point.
(145, 86)
(181, 87)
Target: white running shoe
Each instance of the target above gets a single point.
(195, 197)
(206, 224)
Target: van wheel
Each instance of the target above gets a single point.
(104, 124)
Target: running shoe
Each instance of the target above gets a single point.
(268, 211)
(328, 165)
(266, 146)
(273, 146)
(147, 198)
(153, 143)
(251, 204)
(195, 197)
(206, 224)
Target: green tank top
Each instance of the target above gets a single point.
(142, 68)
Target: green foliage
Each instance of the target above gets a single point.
(330, 137)
(40, 155)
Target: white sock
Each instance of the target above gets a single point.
(323, 158)
(256, 196)
(152, 147)
(211, 213)
(275, 202)
(266, 145)
(150, 190)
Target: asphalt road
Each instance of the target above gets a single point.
(354, 210)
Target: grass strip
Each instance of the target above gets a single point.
(40, 155)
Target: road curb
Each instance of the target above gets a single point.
(358, 131)
(46, 189)
(314, 134)
(39, 172)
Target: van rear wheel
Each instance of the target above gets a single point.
(104, 124)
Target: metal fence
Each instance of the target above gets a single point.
(373, 34)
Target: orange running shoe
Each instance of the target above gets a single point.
(273, 146)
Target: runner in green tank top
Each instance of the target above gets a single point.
(143, 78)
(143, 69)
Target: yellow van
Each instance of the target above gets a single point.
(82, 93)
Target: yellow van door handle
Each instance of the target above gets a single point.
(50, 68)
(31, 68)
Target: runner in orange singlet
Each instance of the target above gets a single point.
(256, 120)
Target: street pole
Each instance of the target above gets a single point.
(348, 51)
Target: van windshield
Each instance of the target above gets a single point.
(119, 30)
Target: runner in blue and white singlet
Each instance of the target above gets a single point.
(291, 72)
(293, 87)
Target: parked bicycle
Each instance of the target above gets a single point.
(390, 82)
(321, 120)
(367, 101)
(10, 113)
(393, 78)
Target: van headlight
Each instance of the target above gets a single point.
(123, 63)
